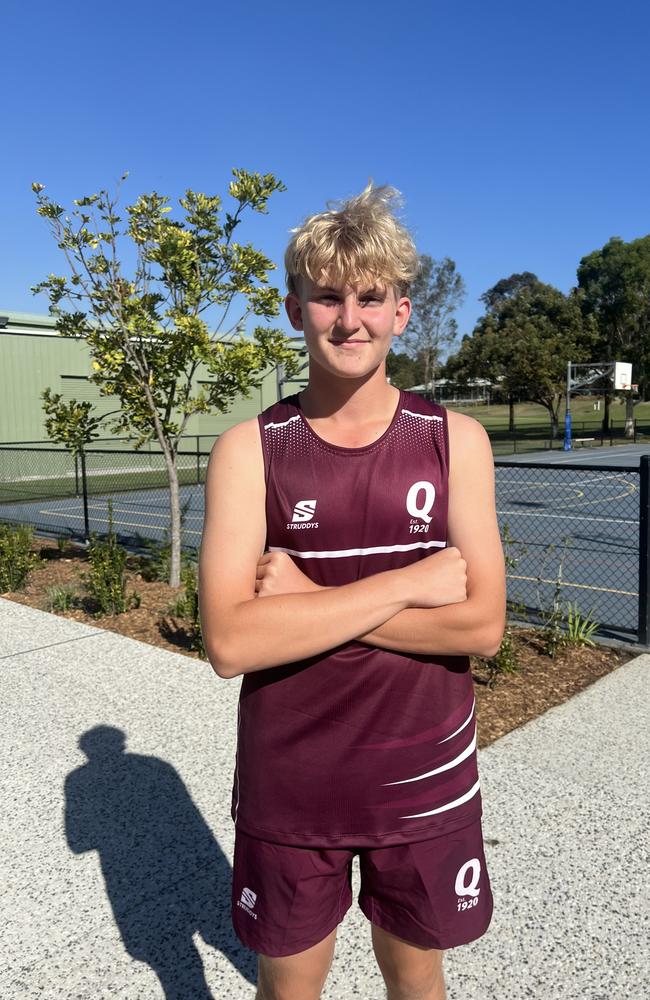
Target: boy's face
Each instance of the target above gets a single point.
(348, 331)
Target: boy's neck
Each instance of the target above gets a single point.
(362, 408)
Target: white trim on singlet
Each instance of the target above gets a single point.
(460, 728)
(444, 767)
(284, 423)
(422, 416)
(369, 551)
(450, 805)
(236, 809)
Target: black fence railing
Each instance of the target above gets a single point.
(571, 533)
(60, 494)
(535, 438)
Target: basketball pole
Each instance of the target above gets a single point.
(567, 416)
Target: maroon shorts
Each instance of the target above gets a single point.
(434, 893)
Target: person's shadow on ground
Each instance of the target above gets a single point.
(166, 876)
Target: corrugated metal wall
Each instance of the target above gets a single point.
(33, 357)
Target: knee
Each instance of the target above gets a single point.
(294, 987)
(277, 991)
(410, 985)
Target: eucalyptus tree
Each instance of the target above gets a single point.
(436, 293)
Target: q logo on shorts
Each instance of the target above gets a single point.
(471, 889)
(413, 495)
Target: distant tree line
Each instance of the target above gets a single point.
(530, 330)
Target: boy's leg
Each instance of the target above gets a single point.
(422, 899)
(296, 977)
(410, 972)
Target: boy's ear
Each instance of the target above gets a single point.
(402, 315)
(294, 310)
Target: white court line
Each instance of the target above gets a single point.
(555, 482)
(92, 507)
(580, 586)
(125, 524)
(566, 517)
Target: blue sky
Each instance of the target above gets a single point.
(518, 133)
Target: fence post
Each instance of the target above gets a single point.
(198, 461)
(84, 485)
(644, 551)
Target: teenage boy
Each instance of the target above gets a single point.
(350, 563)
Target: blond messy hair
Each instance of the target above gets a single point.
(357, 242)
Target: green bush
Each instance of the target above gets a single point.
(62, 542)
(186, 606)
(506, 660)
(106, 582)
(579, 628)
(62, 598)
(155, 564)
(16, 556)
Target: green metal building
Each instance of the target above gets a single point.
(33, 356)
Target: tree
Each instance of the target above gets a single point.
(149, 334)
(524, 342)
(403, 371)
(72, 424)
(615, 282)
(436, 293)
(507, 288)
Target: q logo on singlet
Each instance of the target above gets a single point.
(418, 505)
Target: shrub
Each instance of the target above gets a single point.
(506, 660)
(106, 582)
(186, 606)
(155, 564)
(553, 635)
(62, 598)
(16, 556)
(579, 629)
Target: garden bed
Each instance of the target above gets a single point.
(513, 699)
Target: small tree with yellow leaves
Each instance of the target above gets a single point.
(150, 333)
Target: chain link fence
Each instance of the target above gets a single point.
(570, 533)
(60, 494)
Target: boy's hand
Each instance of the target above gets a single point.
(278, 574)
(436, 580)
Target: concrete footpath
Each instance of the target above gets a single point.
(117, 842)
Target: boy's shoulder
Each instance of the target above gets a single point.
(463, 424)
(242, 436)
(467, 436)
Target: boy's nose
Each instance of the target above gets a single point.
(349, 315)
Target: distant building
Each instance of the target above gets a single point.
(33, 356)
(445, 390)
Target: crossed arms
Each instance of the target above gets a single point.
(452, 602)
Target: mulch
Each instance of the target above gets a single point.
(539, 683)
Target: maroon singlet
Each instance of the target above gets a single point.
(357, 746)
